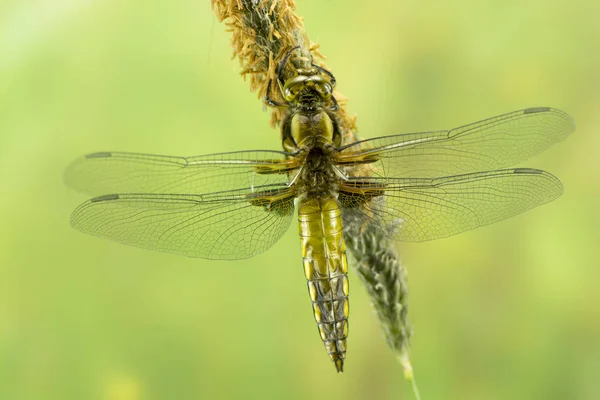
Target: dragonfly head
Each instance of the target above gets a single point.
(308, 86)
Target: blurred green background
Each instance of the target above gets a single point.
(510, 311)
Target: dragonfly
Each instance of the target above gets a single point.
(229, 206)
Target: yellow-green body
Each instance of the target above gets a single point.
(312, 132)
(326, 271)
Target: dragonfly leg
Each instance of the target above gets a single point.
(335, 106)
(323, 70)
(269, 101)
(279, 70)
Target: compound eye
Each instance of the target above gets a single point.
(324, 90)
(291, 92)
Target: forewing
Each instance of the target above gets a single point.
(490, 144)
(102, 173)
(228, 225)
(427, 209)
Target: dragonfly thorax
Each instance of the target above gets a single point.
(302, 131)
(317, 176)
(316, 136)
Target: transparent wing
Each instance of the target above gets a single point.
(227, 225)
(427, 209)
(490, 144)
(101, 173)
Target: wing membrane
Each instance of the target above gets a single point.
(228, 225)
(428, 209)
(101, 173)
(490, 144)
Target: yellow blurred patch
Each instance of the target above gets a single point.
(123, 388)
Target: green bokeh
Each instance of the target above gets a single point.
(510, 311)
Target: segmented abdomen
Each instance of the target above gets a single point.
(326, 269)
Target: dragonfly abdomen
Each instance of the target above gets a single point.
(326, 269)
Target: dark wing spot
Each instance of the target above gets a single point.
(534, 110)
(528, 171)
(99, 155)
(106, 197)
